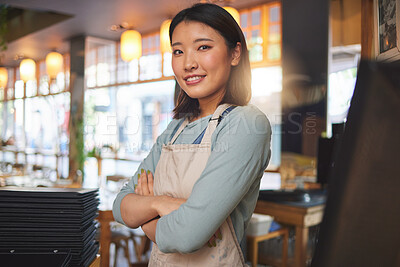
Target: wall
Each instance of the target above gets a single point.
(345, 19)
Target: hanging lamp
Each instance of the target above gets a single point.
(131, 45)
(27, 69)
(3, 77)
(234, 13)
(164, 37)
(54, 63)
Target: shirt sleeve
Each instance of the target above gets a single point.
(240, 154)
(149, 163)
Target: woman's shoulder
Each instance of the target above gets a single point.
(248, 110)
(250, 114)
(174, 123)
(245, 123)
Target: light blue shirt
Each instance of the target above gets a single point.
(228, 186)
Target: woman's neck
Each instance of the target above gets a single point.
(209, 105)
(203, 113)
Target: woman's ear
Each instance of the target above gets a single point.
(236, 52)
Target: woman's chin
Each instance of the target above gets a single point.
(192, 94)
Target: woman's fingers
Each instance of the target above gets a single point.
(145, 183)
(138, 188)
(150, 182)
(213, 240)
(218, 234)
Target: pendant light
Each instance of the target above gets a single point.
(54, 63)
(131, 45)
(234, 13)
(27, 69)
(164, 37)
(3, 77)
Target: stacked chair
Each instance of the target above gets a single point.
(48, 226)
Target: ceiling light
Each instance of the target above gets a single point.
(54, 63)
(164, 37)
(3, 77)
(27, 69)
(234, 13)
(131, 45)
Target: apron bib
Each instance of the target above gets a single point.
(179, 167)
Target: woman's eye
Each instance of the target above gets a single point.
(204, 47)
(177, 52)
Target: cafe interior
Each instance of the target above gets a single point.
(87, 86)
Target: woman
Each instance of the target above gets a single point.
(208, 163)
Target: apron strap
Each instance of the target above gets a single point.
(212, 125)
(215, 119)
(180, 129)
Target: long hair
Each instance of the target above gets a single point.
(238, 89)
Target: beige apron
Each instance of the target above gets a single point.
(179, 167)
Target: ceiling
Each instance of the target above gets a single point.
(89, 18)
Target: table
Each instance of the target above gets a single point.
(104, 218)
(300, 216)
(95, 262)
(252, 245)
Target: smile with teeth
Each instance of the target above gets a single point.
(194, 78)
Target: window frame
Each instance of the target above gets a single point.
(264, 30)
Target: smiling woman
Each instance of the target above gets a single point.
(210, 35)
(195, 192)
(202, 63)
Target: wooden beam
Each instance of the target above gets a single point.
(367, 29)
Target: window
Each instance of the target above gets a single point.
(274, 32)
(167, 65)
(101, 62)
(262, 28)
(131, 117)
(341, 81)
(266, 95)
(150, 63)
(105, 67)
(127, 71)
(341, 88)
(251, 25)
(133, 111)
(123, 122)
(36, 116)
(43, 80)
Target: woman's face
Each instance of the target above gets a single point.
(202, 61)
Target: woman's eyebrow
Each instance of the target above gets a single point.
(195, 41)
(176, 43)
(203, 39)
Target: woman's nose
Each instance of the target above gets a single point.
(190, 63)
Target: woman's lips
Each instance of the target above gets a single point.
(194, 79)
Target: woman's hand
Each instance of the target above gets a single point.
(145, 184)
(150, 229)
(213, 240)
(165, 204)
(139, 208)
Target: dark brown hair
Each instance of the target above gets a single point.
(238, 89)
